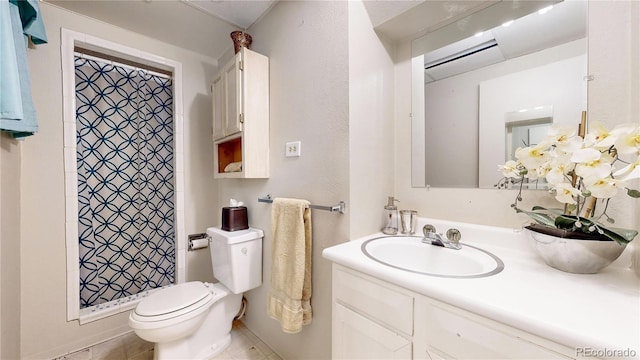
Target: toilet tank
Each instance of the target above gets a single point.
(236, 257)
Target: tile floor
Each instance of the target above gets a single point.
(244, 346)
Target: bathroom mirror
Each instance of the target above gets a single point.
(505, 68)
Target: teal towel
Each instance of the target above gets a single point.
(17, 113)
(31, 20)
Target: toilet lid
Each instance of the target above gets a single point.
(174, 300)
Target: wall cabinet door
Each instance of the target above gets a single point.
(218, 100)
(226, 99)
(233, 94)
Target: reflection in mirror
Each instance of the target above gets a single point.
(463, 92)
(526, 127)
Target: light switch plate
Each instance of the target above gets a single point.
(292, 149)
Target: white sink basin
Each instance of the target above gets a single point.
(410, 254)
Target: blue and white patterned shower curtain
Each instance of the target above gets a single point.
(125, 158)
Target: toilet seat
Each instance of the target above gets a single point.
(174, 301)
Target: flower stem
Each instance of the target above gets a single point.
(589, 208)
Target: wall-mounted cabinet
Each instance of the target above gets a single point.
(240, 98)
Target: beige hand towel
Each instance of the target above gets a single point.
(289, 299)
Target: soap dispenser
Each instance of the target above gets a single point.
(390, 217)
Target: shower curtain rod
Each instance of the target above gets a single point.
(341, 207)
(115, 61)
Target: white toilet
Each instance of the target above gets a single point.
(193, 320)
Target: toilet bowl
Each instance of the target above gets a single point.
(193, 320)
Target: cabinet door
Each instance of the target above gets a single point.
(356, 337)
(233, 96)
(218, 99)
(456, 334)
(388, 305)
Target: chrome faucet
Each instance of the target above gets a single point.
(451, 241)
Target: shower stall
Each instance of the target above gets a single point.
(124, 175)
(125, 156)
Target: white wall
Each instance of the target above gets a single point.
(614, 92)
(332, 89)
(307, 46)
(371, 158)
(613, 60)
(45, 332)
(10, 157)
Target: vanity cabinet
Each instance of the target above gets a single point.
(370, 320)
(240, 100)
(376, 319)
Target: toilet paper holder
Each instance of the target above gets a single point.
(198, 241)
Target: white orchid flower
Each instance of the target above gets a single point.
(591, 163)
(565, 193)
(510, 169)
(603, 188)
(586, 155)
(565, 138)
(560, 166)
(631, 171)
(600, 137)
(555, 176)
(539, 172)
(532, 157)
(569, 145)
(628, 139)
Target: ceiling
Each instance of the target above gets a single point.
(401, 19)
(241, 13)
(204, 25)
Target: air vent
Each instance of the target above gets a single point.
(461, 54)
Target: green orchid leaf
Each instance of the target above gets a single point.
(565, 222)
(633, 193)
(538, 217)
(621, 236)
(556, 212)
(537, 207)
(622, 240)
(626, 234)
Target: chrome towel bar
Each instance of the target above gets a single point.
(341, 207)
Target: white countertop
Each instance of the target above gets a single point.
(601, 311)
